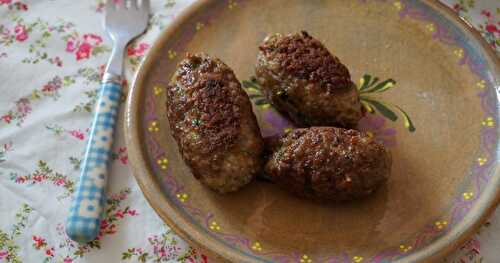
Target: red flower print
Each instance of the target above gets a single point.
(21, 33)
(104, 224)
(132, 212)
(486, 13)
(83, 51)
(492, 28)
(39, 242)
(5, 2)
(458, 7)
(21, 6)
(7, 118)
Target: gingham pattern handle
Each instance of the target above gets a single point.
(84, 219)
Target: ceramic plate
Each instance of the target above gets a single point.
(431, 87)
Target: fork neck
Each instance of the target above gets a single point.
(115, 63)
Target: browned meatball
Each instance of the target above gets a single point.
(327, 163)
(212, 120)
(305, 81)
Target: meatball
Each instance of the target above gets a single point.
(328, 164)
(211, 118)
(304, 81)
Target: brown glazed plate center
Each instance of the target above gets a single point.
(430, 85)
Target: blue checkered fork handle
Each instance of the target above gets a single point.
(88, 207)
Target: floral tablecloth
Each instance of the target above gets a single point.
(52, 55)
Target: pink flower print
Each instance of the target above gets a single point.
(132, 212)
(139, 51)
(486, 13)
(71, 45)
(7, 146)
(57, 61)
(83, 51)
(49, 252)
(374, 125)
(92, 39)
(122, 155)
(60, 182)
(4, 254)
(84, 46)
(119, 214)
(101, 70)
(21, 179)
(77, 134)
(5, 2)
(21, 33)
(23, 106)
(67, 260)
(38, 178)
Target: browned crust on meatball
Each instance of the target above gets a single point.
(327, 163)
(212, 121)
(304, 57)
(205, 103)
(304, 81)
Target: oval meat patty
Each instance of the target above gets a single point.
(304, 81)
(212, 121)
(327, 163)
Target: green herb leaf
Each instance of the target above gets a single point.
(382, 108)
(382, 86)
(407, 121)
(260, 102)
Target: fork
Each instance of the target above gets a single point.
(124, 21)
